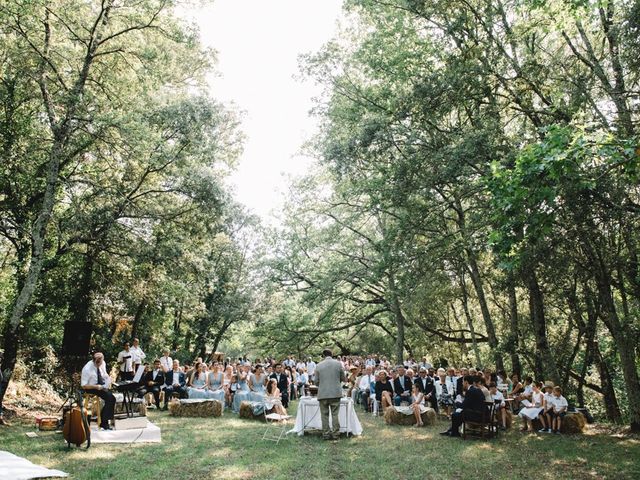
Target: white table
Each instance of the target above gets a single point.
(308, 417)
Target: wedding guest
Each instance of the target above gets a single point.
(472, 407)
(501, 405)
(402, 387)
(215, 384)
(417, 405)
(166, 362)
(384, 391)
(273, 398)
(138, 355)
(175, 382)
(546, 416)
(257, 384)
(197, 383)
(151, 382)
(283, 383)
(560, 406)
(532, 408)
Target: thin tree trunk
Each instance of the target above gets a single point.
(514, 337)
(465, 307)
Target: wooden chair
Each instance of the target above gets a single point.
(92, 402)
(485, 427)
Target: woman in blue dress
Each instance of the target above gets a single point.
(198, 383)
(243, 392)
(215, 384)
(257, 382)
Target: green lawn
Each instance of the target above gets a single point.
(230, 447)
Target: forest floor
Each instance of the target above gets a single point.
(231, 448)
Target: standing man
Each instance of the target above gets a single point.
(138, 355)
(125, 361)
(329, 377)
(95, 380)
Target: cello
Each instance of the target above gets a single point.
(76, 426)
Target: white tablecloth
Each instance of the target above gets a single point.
(308, 416)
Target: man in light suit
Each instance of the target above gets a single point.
(329, 376)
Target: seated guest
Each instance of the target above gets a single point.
(532, 408)
(417, 405)
(352, 381)
(364, 386)
(560, 406)
(427, 388)
(459, 388)
(125, 362)
(472, 408)
(384, 390)
(257, 384)
(546, 415)
(175, 382)
(303, 381)
(197, 383)
(501, 406)
(96, 381)
(215, 384)
(283, 383)
(152, 381)
(444, 392)
(516, 387)
(402, 387)
(273, 398)
(482, 385)
(243, 391)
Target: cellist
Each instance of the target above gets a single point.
(96, 381)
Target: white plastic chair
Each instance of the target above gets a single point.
(276, 425)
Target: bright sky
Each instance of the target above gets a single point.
(258, 44)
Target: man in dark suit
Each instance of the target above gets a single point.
(176, 382)
(402, 387)
(427, 387)
(283, 384)
(151, 382)
(472, 407)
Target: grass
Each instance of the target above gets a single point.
(231, 448)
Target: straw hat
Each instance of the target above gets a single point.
(548, 384)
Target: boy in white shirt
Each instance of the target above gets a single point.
(501, 406)
(546, 416)
(560, 406)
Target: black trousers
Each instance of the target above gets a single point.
(285, 398)
(106, 413)
(155, 390)
(126, 376)
(171, 390)
(458, 418)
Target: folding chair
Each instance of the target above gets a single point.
(276, 425)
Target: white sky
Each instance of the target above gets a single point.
(258, 44)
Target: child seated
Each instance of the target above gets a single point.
(560, 406)
(501, 406)
(547, 408)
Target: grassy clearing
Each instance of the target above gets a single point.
(231, 448)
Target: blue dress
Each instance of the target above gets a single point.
(196, 390)
(216, 392)
(242, 394)
(258, 391)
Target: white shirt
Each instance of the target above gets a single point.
(127, 366)
(559, 403)
(138, 354)
(548, 400)
(167, 363)
(311, 368)
(89, 374)
(365, 382)
(498, 396)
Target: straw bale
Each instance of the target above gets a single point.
(392, 417)
(206, 408)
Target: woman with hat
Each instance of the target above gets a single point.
(547, 407)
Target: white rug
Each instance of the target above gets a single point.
(151, 434)
(13, 467)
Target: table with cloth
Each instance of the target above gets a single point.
(308, 416)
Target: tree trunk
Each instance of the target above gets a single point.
(81, 303)
(399, 319)
(137, 318)
(544, 360)
(514, 337)
(465, 307)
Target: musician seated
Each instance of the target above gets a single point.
(176, 382)
(96, 381)
(151, 382)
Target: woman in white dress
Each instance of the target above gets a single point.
(532, 409)
(417, 405)
(273, 398)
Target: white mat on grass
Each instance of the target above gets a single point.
(13, 467)
(151, 434)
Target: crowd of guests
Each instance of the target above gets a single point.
(372, 382)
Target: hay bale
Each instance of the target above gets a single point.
(202, 408)
(246, 411)
(573, 422)
(393, 417)
(137, 407)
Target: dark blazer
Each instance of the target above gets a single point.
(474, 400)
(381, 387)
(398, 388)
(182, 379)
(283, 384)
(459, 386)
(425, 387)
(148, 377)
